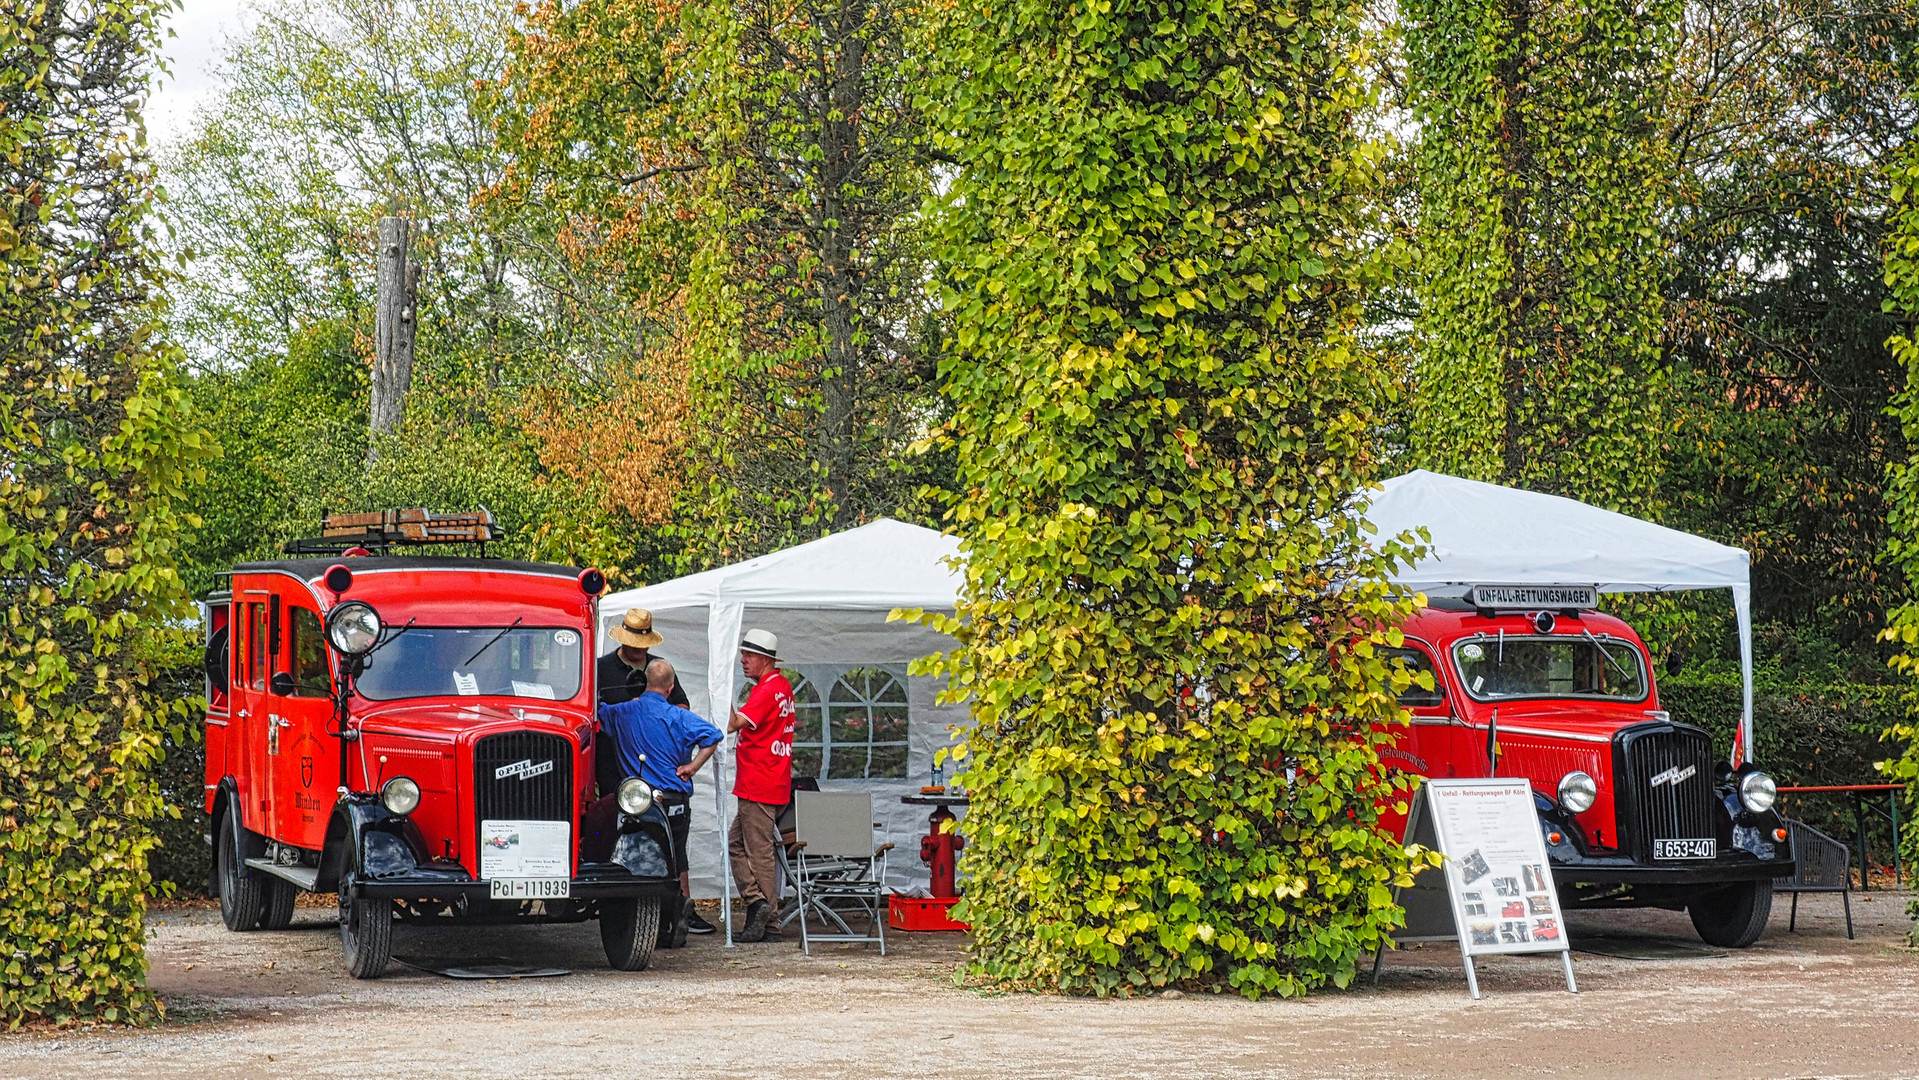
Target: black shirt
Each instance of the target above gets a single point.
(617, 682)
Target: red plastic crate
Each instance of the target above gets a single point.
(919, 913)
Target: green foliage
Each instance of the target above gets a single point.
(1171, 618)
(764, 163)
(333, 115)
(1541, 166)
(99, 444)
(1902, 488)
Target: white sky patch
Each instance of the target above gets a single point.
(201, 30)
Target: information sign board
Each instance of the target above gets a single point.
(1498, 884)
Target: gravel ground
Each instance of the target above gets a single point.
(279, 1004)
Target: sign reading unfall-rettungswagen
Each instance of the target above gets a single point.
(1529, 597)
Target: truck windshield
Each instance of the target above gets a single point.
(1550, 667)
(441, 661)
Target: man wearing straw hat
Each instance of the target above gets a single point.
(621, 677)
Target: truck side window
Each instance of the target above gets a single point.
(257, 647)
(308, 655)
(1417, 662)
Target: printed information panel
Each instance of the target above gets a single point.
(1496, 868)
(526, 849)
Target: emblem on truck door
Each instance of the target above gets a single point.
(1673, 776)
(524, 769)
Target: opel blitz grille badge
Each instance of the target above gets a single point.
(524, 769)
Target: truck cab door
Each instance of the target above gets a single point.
(306, 759)
(1421, 748)
(249, 726)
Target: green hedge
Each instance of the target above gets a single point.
(1812, 735)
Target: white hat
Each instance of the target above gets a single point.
(762, 642)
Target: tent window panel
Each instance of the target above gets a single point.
(858, 731)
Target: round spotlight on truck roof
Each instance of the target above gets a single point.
(338, 578)
(353, 627)
(1578, 791)
(592, 582)
(400, 795)
(635, 797)
(1757, 792)
(1544, 622)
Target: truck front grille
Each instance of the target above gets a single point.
(1665, 785)
(522, 776)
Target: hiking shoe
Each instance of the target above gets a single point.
(755, 928)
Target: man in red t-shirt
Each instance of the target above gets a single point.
(763, 781)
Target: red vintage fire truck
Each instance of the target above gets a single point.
(416, 734)
(1636, 809)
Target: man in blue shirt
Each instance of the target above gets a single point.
(665, 745)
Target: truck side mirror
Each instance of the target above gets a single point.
(281, 684)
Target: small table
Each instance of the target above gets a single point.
(1859, 793)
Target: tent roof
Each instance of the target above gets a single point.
(1499, 535)
(880, 566)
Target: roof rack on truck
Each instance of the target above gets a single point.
(377, 531)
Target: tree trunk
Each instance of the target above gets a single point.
(393, 326)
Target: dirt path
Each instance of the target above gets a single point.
(254, 1005)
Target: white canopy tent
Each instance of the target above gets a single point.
(1487, 534)
(828, 601)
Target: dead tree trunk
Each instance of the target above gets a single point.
(393, 326)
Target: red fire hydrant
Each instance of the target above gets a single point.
(939, 849)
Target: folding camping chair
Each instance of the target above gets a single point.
(1820, 864)
(834, 868)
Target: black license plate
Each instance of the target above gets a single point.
(1685, 849)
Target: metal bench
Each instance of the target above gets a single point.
(1822, 864)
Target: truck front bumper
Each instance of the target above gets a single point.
(594, 881)
(1729, 868)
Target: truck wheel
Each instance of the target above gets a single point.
(276, 910)
(240, 887)
(629, 929)
(366, 931)
(1732, 917)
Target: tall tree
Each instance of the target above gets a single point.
(1786, 115)
(1541, 164)
(1171, 622)
(98, 444)
(334, 115)
(766, 162)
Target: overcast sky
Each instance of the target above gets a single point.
(200, 33)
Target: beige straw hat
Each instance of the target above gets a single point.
(637, 629)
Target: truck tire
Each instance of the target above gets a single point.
(276, 909)
(1732, 917)
(629, 929)
(366, 933)
(240, 888)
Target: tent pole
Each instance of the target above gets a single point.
(726, 861)
(1742, 610)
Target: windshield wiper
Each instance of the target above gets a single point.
(388, 641)
(1616, 666)
(494, 641)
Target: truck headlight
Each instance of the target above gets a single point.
(353, 627)
(1757, 792)
(400, 795)
(1578, 791)
(635, 797)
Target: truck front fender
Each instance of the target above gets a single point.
(365, 840)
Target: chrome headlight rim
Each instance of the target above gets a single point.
(634, 796)
(1758, 792)
(1578, 791)
(353, 628)
(400, 795)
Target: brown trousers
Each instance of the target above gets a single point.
(755, 831)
